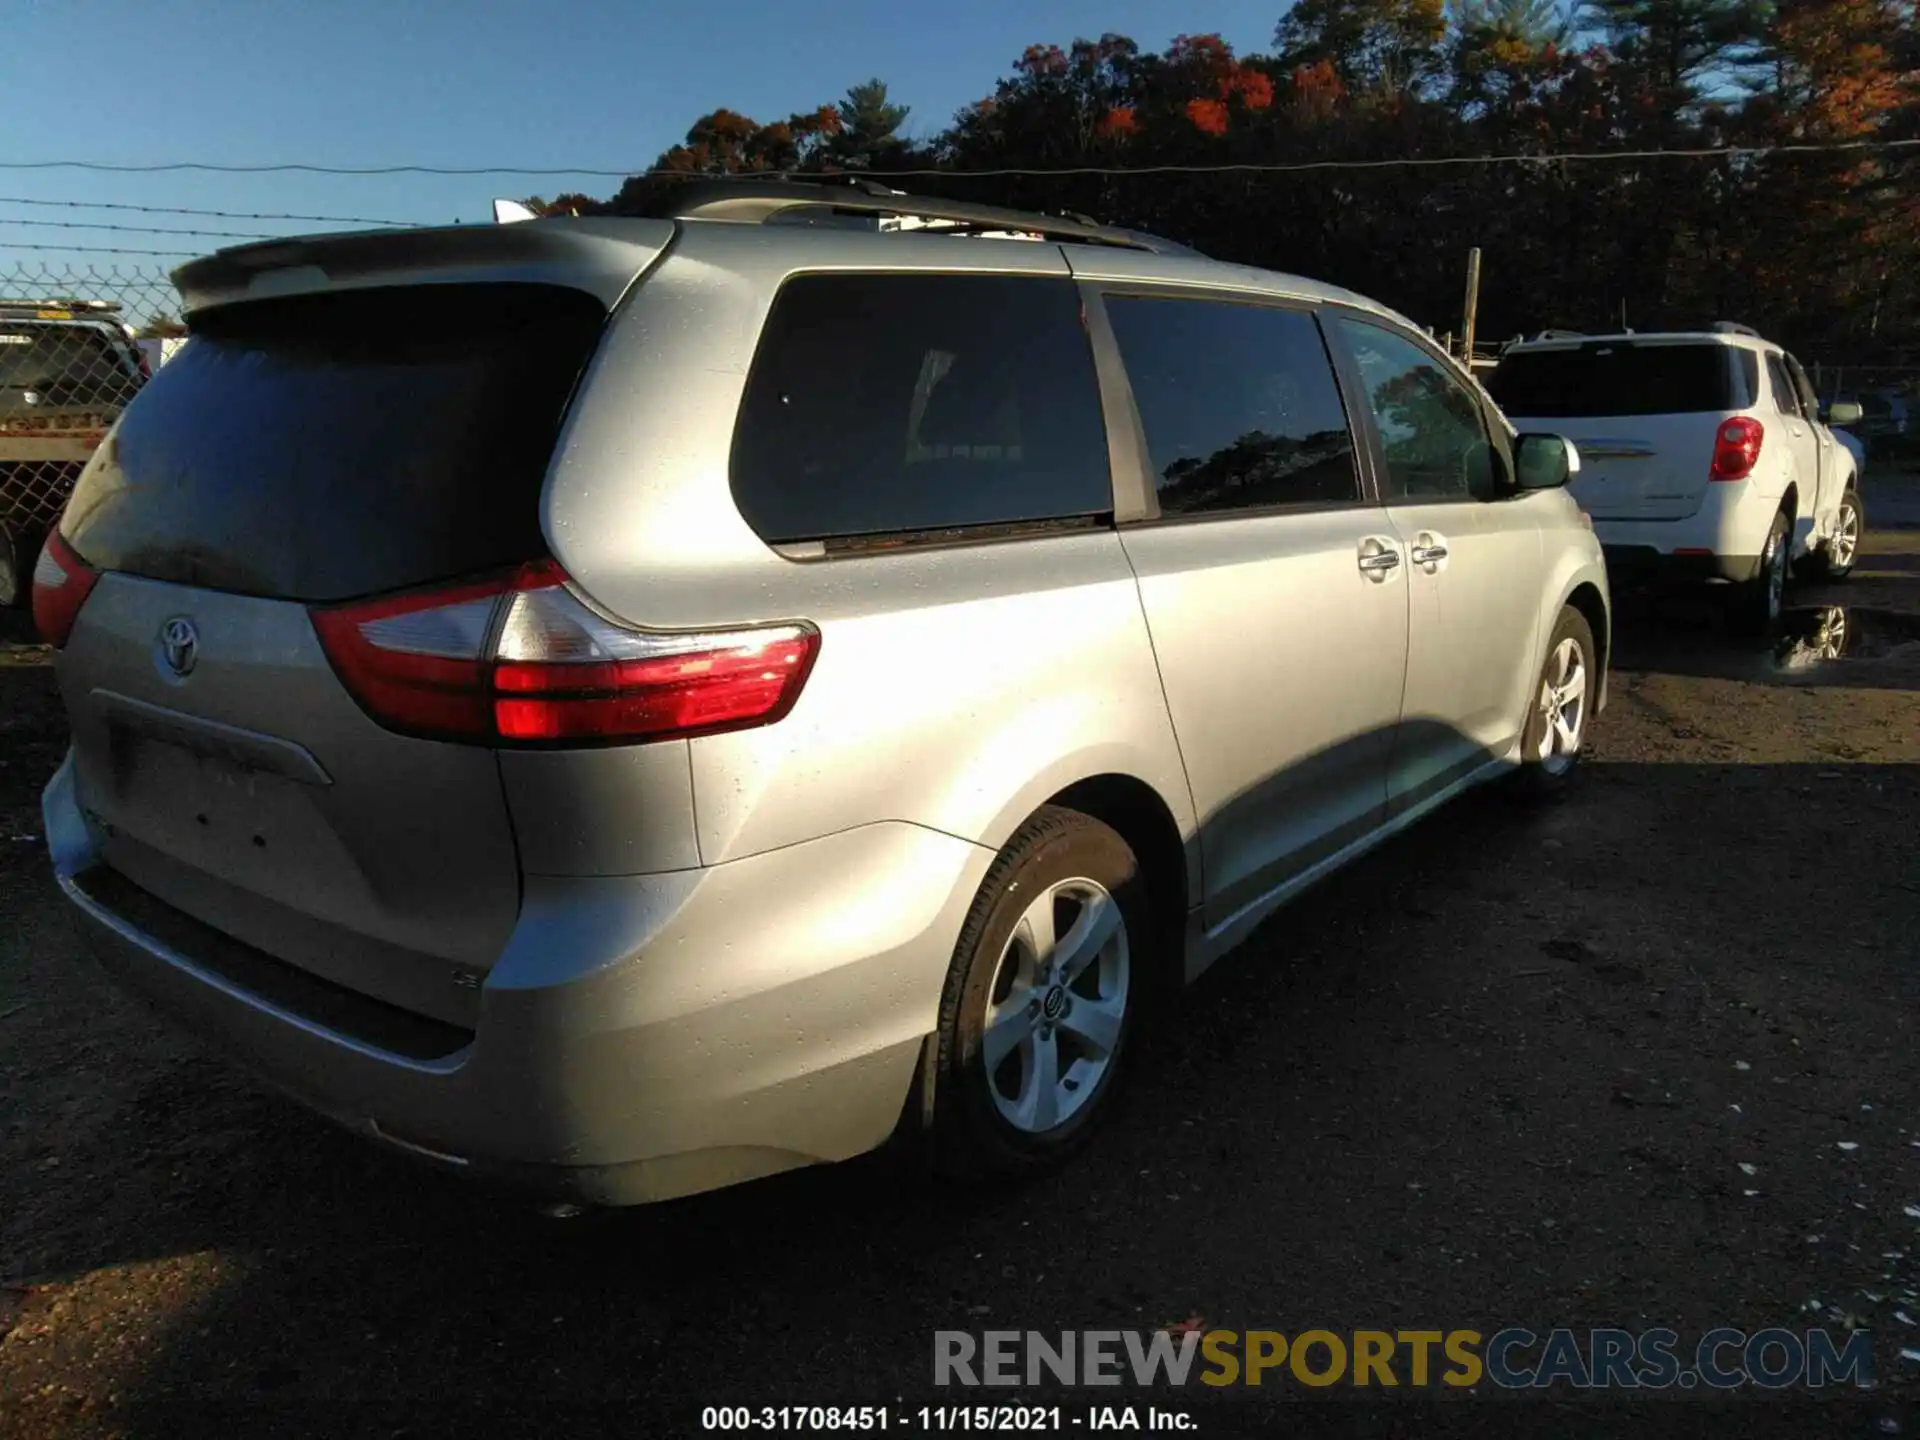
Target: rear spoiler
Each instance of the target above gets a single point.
(600, 256)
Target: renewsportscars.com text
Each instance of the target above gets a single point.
(1514, 1358)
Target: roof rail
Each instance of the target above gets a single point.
(1561, 335)
(757, 201)
(1728, 327)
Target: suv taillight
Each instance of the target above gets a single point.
(61, 583)
(1736, 449)
(523, 660)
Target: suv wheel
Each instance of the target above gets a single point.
(1757, 604)
(1041, 998)
(1556, 729)
(1834, 559)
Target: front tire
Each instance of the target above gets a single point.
(1556, 731)
(1835, 558)
(1041, 999)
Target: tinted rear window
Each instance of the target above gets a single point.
(1615, 379)
(886, 404)
(325, 447)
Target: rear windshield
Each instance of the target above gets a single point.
(63, 364)
(1616, 378)
(327, 447)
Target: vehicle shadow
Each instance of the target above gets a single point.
(1428, 1091)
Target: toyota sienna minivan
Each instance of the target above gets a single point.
(624, 706)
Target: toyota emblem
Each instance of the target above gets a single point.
(179, 645)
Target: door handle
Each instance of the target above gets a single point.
(1380, 561)
(1429, 554)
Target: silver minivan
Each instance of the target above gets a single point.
(625, 706)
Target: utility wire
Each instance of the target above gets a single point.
(1411, 162)
(135, 229)
(207, 214)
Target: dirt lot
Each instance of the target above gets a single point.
(1510, 1070)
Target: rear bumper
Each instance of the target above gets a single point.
(1645, 564)
(1719, 543)
(640, 1037)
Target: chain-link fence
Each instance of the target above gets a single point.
(75, 345)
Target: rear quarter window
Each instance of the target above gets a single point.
(896, 404)
(1616, 378)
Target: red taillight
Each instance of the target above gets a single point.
(524, 660)
(1736, 449)
(61, 583)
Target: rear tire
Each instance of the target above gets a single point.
(1557, 715)
(1835, 558)
(1041, 1000)
(14, 587)
(1757, 604)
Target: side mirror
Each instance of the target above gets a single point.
(1844, 412)
(1544, 462)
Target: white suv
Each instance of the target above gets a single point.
(1704, 455)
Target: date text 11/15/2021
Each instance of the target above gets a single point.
(944, 1419)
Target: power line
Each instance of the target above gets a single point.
(135, 229)
(205, 214)
(1720, 152)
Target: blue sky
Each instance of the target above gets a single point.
(439, 82)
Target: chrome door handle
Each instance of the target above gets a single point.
(1380, 562)
(1428, 554)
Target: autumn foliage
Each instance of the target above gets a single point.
(1822, 250)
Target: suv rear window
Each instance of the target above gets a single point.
(889, 404)
(327, 447)
(1615, 378)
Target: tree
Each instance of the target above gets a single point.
(869, 126)
(1384, 47)
(1813, 249)
(1680, 48)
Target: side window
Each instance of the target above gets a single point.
(1239, 403)
(887, 403)
(1803, 387)
(1431, 427)
(1785, 399)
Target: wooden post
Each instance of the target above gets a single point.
(1472, 306)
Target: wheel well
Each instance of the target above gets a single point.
(1136, 811)
(1586, 599)
(1790, 504)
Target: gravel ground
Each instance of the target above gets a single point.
(1508, 1070)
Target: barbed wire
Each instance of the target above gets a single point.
(136, 229)
(98, 250)
(204, 214)
(1724, 152)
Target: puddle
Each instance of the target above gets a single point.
(1814, 636)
